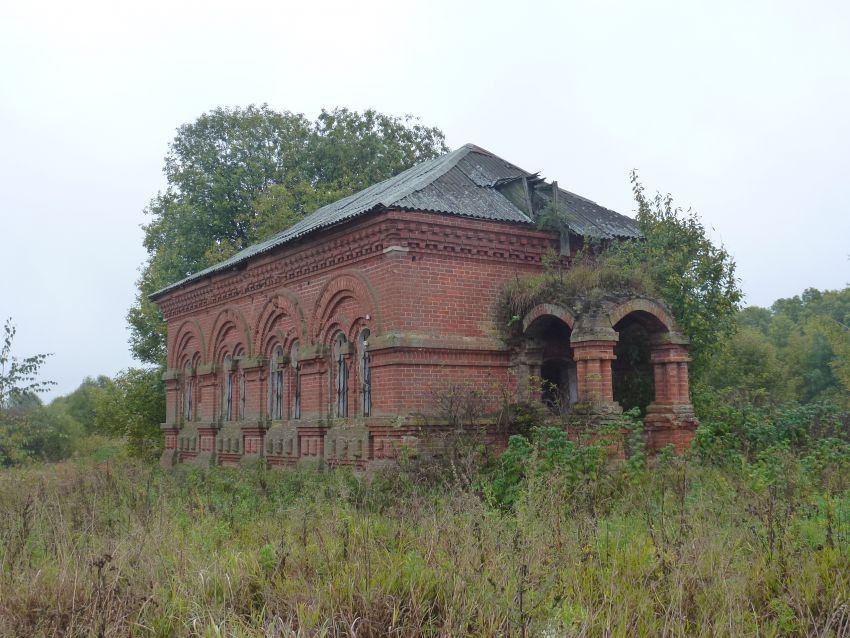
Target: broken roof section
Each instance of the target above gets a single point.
(469, 182)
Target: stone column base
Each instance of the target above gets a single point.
(669, 425)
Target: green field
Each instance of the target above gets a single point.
(672, 547)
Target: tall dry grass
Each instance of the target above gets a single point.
(119, 548)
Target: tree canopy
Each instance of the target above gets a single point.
(797, 350)
(694, 276)
(236, 176)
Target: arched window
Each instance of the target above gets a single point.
(295, 362)
(227, 399)
(365, 374)
(341, 376)
(276, 384)
(188, 389)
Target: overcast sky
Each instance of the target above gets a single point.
(739, 109)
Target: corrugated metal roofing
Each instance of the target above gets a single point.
(463, 182)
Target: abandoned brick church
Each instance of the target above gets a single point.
(331, 340)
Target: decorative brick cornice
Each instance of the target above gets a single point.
(403, 231)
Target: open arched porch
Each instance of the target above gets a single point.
(624, 354)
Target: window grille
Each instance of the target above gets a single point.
(365, 374)
(187, 393)
(341, 377)
(295, 362)
(276, 384)
(242, 398)
(228, 388)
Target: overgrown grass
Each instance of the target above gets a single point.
(679, 548)
(587, 281)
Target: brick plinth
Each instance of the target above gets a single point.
(666, 425)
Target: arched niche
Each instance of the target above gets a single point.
(546, 335)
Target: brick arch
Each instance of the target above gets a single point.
(350, 284)
(229, 320)
(189, 330)
(277, 337)
(356, 327)
(282, 306)
(548, 309)
(641, 305)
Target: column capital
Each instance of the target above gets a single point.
(669, 353)
(669, 338)
(594, 333)
(594, 350)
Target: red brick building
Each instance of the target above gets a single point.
(332, 339)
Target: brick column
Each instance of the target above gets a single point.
(593, 352)
(254, 425)
(173, 418)
(530, 367)
(670, 417)
(670, 363)
(208, 407)
(203, 432)
(173, 397)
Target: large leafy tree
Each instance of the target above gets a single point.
(796, 350)
(131, 406)
(236, 176)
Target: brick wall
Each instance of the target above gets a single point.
(423, 284)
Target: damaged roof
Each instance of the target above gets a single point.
(469, 182)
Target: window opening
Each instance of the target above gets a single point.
(228, 388)
(341, 377)
(187, 392)
(365, 373)
(295, 362)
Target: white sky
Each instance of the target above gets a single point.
(740, 109)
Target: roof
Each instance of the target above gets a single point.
(468, 182)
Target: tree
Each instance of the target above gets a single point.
(695, 277)
(18, 377)
(132, 407)
(237, 176)
(19, 387)
(81, 404)
(798, 349)
(747, 368)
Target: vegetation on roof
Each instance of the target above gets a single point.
(676, 262)
(580, 286)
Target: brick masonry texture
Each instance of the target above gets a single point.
(424, 285)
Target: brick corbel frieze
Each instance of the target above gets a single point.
(402, 231)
